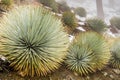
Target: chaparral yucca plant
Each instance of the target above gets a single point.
(88, 52)
(115, 52)
(80, 11)
(6, 4)
(50, 3)
(115, 21)
(69, 20)
(96, 24)
(33, 40)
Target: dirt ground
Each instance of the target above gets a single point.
(64, 74)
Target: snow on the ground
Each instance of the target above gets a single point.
(81, 23)
(71, 38)
(80, 28)
(109, 33)
(2, 57)
(118, 34)
(58, 14)
(80, 18)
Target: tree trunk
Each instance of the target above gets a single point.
(100, 13)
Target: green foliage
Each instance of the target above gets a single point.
(63, 6)
(88, 52)
(69, 19)
(115, 21)
(96, 24)
(6, 4)
(115, 51)
(50, 3)
(33, 40)
(81, 12)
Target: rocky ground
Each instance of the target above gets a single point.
(64, 74)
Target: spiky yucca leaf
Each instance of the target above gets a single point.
(96, 24)
(88, 53)
(115, 51)
(33, 40)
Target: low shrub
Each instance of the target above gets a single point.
(96, 24)
(115, 21)
(80, 11)
(69, 20)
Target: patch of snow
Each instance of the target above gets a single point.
(59, 0)
(80, 18)
(109, 33)
(71, 38)
(118, 34)
(81, 29)
(48, 7)
(59, 14)
(2, 57)
(81, 23)
(72, 11)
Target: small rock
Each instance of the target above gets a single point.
(2, 57)
(10, 75)
(22, 74)
(50, 78)
(75, 74)
(117, 71)
(69, 77)
(105, 73)
(88, 77)
(111, 76)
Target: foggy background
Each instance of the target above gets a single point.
(111, 7)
